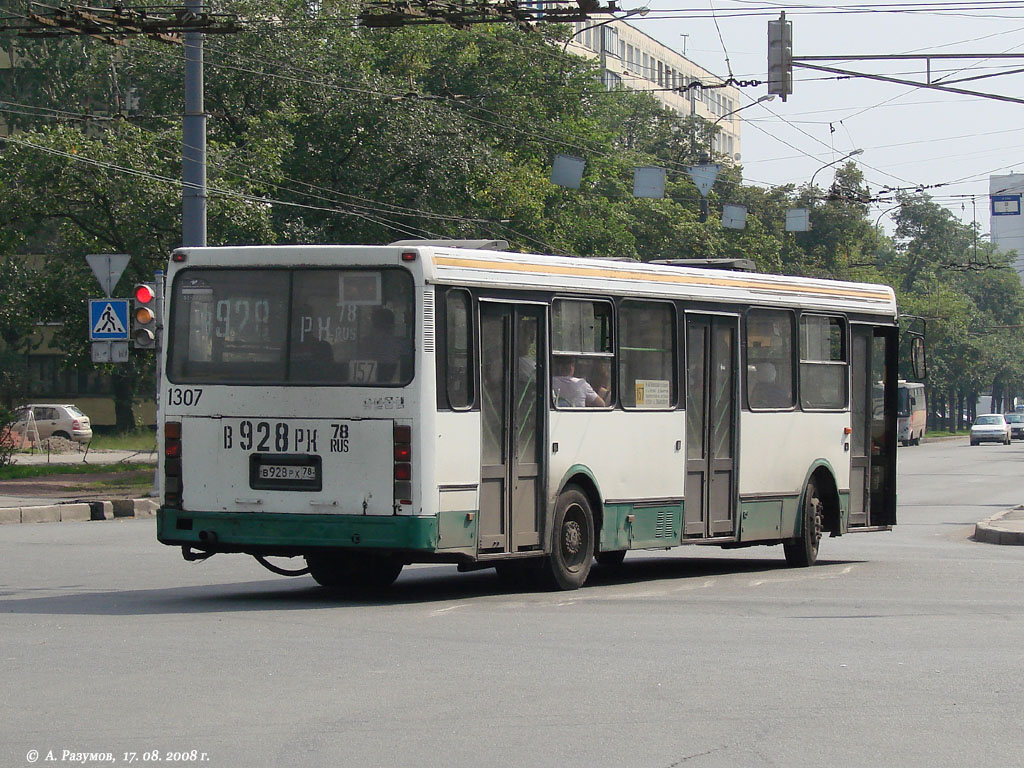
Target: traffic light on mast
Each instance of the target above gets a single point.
(780, 56)
(144, 316)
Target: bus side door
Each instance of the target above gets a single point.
(710, 489)
(873, 421)
(512, 379)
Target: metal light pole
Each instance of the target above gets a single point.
(714, 125)
(193, 143)
(847, 156)
(635, 12)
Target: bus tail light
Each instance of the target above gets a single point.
(403, 464)
(172, 463)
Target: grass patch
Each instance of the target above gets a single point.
(947, 432)
(139, 440)
(141, 480)
(24, 471)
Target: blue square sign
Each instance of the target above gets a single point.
(108, 319)
(1005, 205)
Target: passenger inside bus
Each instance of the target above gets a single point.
(570, 390)
(381, 344)
(767, 392)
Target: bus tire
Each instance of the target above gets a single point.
(611, 559)
(803, 551)
(353, 571)
(572, 541)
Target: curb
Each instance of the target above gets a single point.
(78, 512)
(992, 530)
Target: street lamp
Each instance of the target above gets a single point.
(847, 156)
(711, 134)
(635, 12)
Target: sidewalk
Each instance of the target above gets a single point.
(1006, 527)
(45, 499)
(83, 457)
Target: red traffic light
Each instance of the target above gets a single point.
(143, 293)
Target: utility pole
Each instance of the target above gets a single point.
(176, 26)
(193, 141)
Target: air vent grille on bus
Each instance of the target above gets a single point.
(428, 320)
(663, 525)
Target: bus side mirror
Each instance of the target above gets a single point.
(917, 358)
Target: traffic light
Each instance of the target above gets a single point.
(144, 316)
(780, 56)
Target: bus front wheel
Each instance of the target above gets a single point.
(572, 541)
(803, 551)
(353, 570)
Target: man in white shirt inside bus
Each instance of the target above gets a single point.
(570, 390)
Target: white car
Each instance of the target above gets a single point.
(990, 427)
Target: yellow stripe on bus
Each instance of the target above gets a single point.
(550, 269)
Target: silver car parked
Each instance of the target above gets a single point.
(53, 420)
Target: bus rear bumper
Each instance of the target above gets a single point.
(289, 535)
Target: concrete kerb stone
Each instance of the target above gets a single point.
(80, 511)
(997, 530)
(123, 507)
(10, 515)
(101, 510)
(75, 513)
(47, 514)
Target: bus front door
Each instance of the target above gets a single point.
(873, 424)
(710, 426)
(512, 359)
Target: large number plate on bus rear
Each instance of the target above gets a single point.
(285, 472)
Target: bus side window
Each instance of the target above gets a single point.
(823, 362)
(458, 346)
(769, 341)
(581, 354)
(647, 355)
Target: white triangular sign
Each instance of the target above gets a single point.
(108, 268)
(704, 176)
(108, 321)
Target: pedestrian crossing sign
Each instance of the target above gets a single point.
(108, 319)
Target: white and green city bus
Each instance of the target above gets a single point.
(367, 407)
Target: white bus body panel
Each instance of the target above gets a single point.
(456, 460)
(632, 454)
(775, 454)
(357, 466)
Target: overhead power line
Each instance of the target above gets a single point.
(113, 25)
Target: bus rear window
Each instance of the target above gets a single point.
(303, 326)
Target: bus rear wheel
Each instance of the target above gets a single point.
(572, 541)
(353, 570)
(803, 551)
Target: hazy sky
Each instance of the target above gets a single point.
(910, 136)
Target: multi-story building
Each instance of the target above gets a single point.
(634, 60)
(1007, 223)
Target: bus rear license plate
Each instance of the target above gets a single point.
(278, 472)
(285, 472)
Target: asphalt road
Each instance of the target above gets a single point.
(898, 649)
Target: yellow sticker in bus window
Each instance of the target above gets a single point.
(653, 393)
